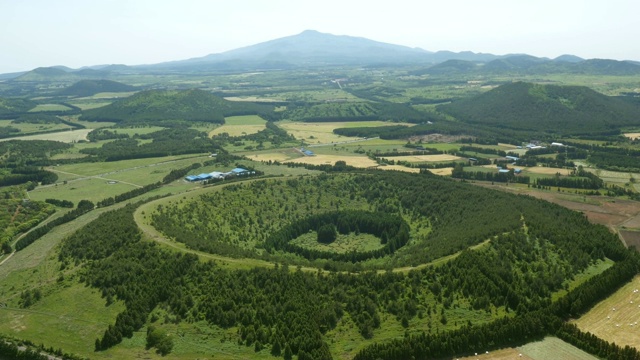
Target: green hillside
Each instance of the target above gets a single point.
(91, 87)
(157, 105)
(550, 109)
(174, 105)
(12, 106)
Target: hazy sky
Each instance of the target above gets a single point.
(79, 33)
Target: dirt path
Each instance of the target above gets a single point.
(16, 213)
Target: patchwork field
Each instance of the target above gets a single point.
(616, 318)
(240, 125)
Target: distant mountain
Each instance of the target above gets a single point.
(85, 88)
(449, 67)
(562, 110)
(313, 47)
(569, 58)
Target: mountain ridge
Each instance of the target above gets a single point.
(314, 48)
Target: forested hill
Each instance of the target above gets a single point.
(551, 109)
(13, 106)
(161, 105)
(91, 87)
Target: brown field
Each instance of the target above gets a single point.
(631, 238)
(632, 136)
(442, 172)
(552, 348)
(357, 161)
(547, 170)
(278, 156)
(616, 318)
(425, 158)
(399, 168)
(63, 136)
(611, 212)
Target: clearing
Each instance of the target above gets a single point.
(240, 125)
(322, 133)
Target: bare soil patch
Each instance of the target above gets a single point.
(631, 238)
(632, 136)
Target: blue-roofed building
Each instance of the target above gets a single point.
(504, 171)
(239, 171)
(517, 171)
(309, 153)
(514, 158)
(204, 176)
(191, 178)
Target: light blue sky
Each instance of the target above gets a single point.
(79, 33)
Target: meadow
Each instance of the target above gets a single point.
(240, 125)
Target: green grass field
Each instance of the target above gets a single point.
(554, 348)
(27, 128)
(240, 125)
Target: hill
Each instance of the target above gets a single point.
(157, 105)
(91, 87)
(46, 74)
(562, 110)
(162, 105)
(13, 106)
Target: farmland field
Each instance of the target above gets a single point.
(616, 318)
(68, 136)
(356, 161)
(553, 348)
(425, 158)
(546, 170)
(240, 125)
(322, 133)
